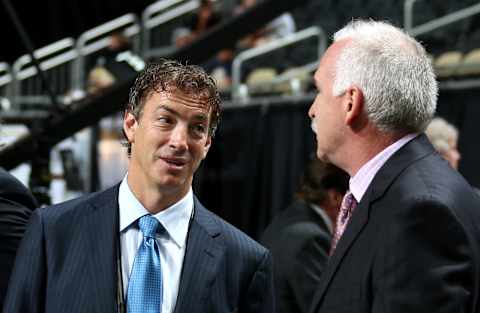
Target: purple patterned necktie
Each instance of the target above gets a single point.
(348, 205)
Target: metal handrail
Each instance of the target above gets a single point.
(156, 7)
(159, 19)
(46, 65)
(5, 74)
(436, 23)
(188, 7)
(274, 45)
(147, 14)
(49, 57)
(408, 15)
(106, 28)
(6, 80)
(91, 41)
(56, 47)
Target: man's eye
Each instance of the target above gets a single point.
(200, 128)
(164, 120)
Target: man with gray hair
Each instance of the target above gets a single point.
(407, 238)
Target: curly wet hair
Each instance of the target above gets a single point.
(171, 76)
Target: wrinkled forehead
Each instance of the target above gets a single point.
(192, 101)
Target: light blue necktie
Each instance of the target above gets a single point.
(145, 287)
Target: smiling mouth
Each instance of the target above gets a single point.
(175, 162)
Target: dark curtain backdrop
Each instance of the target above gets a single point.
(253, 167)
(461, 108)
(259, 153)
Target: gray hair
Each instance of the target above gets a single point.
(393, 71)
(441, 134)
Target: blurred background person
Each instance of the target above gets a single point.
(16, 206)
(279, 27)
(444, 137)
(299, 237)
(116, 63)
(203, 20)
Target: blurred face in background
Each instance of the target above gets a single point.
(444, 138)
(452, 155)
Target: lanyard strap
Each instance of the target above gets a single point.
(120, 296)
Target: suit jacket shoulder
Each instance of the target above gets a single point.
(293, 227)
(16, 206)
(14, 192)
(299, 240)
(74, 263)
(414, 229)
(231, 236)
(224, 270)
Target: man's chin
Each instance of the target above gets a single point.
(169, 182)
(323, 157)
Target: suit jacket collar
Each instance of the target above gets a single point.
(201, 261)
(200, 265)
(414, 150)
(101, 225)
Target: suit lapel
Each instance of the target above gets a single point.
(417, 148)
(101, 227)
(201, 261)
(357, 222)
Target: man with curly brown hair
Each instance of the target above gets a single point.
(147, 244)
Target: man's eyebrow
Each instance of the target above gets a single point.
(166, 108)
(200, 116)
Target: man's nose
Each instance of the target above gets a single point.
(179, 137)
(311, 114)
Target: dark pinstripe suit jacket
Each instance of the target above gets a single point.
(16, 206)
(299, 241)
(67, 263)
(412, 244)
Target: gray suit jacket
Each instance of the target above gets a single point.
(68, 260)
(299, 240)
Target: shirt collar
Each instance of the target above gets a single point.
(175, 219)
(362, 179)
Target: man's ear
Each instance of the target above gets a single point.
(129, 126)
(354, 103)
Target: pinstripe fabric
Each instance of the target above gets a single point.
(67, 263)
(16, 206)
(145, 287)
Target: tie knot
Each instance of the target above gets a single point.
(149, 225)
(348, 203)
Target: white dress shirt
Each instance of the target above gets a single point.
(362, 179)
(175, 220)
